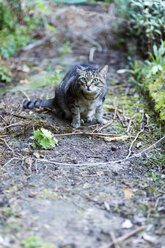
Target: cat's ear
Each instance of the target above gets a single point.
(80, 70)
(103, 71)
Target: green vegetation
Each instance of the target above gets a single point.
(5, 73)
(15, 31)
(43, 139)
(17, 25)
(146, 21)
(150, 76)
(36, 242)
(145, 28)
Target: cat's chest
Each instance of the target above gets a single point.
(85, 105)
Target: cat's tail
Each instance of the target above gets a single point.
(38, 103)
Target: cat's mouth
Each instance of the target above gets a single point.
(88, 91)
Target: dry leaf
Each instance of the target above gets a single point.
(128, 193)
(25, 81)
(116, 138)
(32, 194)
(86, 185)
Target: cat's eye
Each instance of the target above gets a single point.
(96, 81)
(83, 80)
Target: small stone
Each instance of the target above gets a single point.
(149, 238)
(127, 224)
(32, 195)
(139, 144)
(25, 68)
(113, 148)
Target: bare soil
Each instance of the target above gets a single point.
(88, 191)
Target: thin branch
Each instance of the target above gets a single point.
(114, 240)
(130, 148)
(10, 148)
(114, 117)
(19, 116)
(37, 43)
(106, 125)
(102, 163)
(120, 119)
(88, 133)
(15, 158)
(130, 121)
(12, 125)
(124, 237)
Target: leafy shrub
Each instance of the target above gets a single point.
(146, 21)
(151, 77)
(5, 74)
(10, 43)
(44, 139)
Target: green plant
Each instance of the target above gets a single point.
(146, 21)
(56, 76)
(149, 76)
(11, 42)
(36, 242)
(44, 139)
(157, 63)
(156, 177)
(65, 49)
(122, 7)
(5, 74)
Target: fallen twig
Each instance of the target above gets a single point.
(114, 240)
(130, 121)
(12, 125)
(124, 237)
(112, 162)
(120, 119)
(101, 163)
(11, 149)
(8, 162)
(88, 133)
(114, 117)
(130, 148)
(118, 86)
(36, 44)
(106, 125)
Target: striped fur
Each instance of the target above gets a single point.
(80, 95)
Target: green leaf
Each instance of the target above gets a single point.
(44, 139)
(46, 133)
(45, 143)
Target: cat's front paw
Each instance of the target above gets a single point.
(102, 121)
(89, 119)
(75, 124)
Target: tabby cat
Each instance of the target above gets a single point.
(79, 96)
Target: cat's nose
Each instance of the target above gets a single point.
(88, 88)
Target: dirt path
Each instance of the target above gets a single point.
(78, 195)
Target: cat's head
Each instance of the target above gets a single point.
(91, 81)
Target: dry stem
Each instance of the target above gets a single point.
(114, 240)
(124, 237)
(101, 163)
(130, 121)
(130, 148)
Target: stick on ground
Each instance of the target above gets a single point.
(124, 237)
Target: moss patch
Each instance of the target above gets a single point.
(157, 92)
